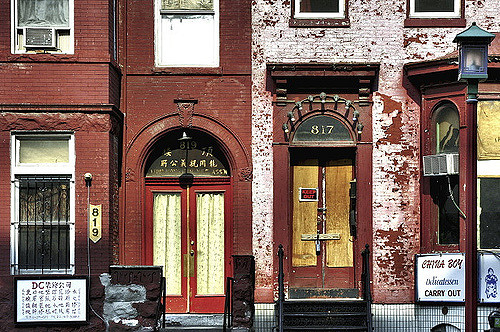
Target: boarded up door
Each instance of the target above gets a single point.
(322, 247)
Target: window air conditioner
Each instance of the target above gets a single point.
(441, 164)
(39, 37)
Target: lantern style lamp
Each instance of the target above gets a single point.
(473, 56)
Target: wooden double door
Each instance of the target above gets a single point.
(187, 233)
(323, 222)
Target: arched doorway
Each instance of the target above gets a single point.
(322, 134)
(188, 203)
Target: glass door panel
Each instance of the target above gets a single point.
(210, 243)
(167, 239)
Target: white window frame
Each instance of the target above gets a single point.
(158, 35)
(331, 15)
(54, 169)
(455, 14)
(19, 49)
(485, 169)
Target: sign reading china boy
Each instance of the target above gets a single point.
(440, 278)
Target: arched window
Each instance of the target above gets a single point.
(445, 123)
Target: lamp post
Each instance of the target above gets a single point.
(472, 67)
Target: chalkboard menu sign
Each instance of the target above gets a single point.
(322, 128)
(199, 155)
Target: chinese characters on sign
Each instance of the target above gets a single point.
(440, 278)
(51, 300)
(196, 159)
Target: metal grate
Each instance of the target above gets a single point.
(44, 223)
(265, 317)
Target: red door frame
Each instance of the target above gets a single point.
(198, 303)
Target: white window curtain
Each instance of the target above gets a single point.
(210, 243)
(43, 13)
(167, 238)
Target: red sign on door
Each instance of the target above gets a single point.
(308, 194)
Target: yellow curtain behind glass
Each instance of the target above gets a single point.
(210, 243)
(167, 238)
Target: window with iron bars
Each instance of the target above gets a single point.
(44, 223)
(42, 230)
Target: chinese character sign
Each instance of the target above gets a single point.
(51, 300)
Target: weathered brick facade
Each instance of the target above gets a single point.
(377, 33)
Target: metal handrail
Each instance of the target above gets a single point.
(281, 288)
(365, 277)
(228, 305)
(161, 306)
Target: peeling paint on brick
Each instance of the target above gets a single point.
(376, 35)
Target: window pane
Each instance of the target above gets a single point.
(167, 238)
(447, 129)
(44, 216)
(448, 215)
(319, 6)
(210, 243)
(43, 151)
(489, 217)
(425, 6)
(187, 4)
(43, 13)
(44, 247)
(188, 40)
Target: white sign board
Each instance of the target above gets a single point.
(440, 278)
(488, 273)
(51, 300)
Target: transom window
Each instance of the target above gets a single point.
(42, 25)
(42, 204)
(434, 9)
(319, 8)
(187, 33)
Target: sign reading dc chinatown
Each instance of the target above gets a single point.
(51, 300)
(440, 278)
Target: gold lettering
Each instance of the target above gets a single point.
(173, 163)
(183, 162)
(164, 163)
(212, 163)
(167, 152)
(203, 163)
(193, 163)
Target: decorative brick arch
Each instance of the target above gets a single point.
(136, 154)
(235, 152)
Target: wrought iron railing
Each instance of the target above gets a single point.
(365, 278)
(161, 306)
(228, 305)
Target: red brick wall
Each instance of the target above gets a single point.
(223, 110)
(96, 149)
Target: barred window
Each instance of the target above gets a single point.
(43, 198)
(44, 222)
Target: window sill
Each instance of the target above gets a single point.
(319, 23)
(434, 22)
(187, 70)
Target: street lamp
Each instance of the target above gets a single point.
(473, 57)
(472, 67)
